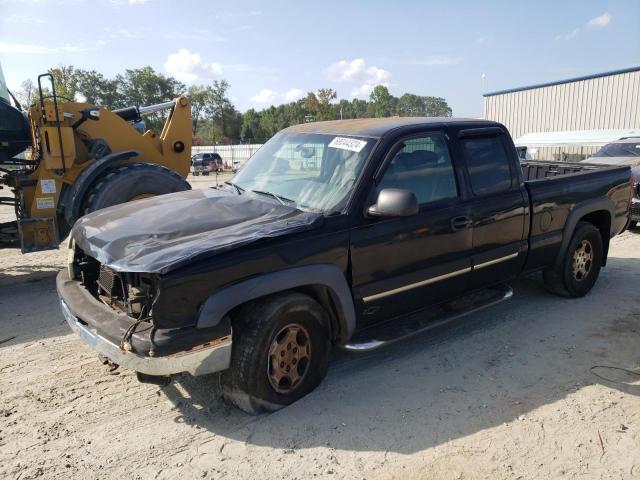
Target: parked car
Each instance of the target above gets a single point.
(347, 234)
(625, 151)
(205, 163)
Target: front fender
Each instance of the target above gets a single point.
(217, 305)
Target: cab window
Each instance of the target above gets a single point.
(423, 166)
(488, 165)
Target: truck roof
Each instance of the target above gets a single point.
(377, 127)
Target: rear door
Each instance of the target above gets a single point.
(498, 209)
(403, 264)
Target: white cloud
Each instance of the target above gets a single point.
(434, 61)
(294, 94)
(188, 67)
(567, 36)
(265, 96)
(363, 91)
(481, 40)
(600, 21)
(357, 71)
(36, 49)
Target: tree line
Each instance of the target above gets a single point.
(215, 120)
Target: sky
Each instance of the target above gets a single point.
(274, 52)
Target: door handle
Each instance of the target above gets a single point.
(460, 223)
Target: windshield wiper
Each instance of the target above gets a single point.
(280, 198)
(238, 188)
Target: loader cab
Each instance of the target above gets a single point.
(15, 136)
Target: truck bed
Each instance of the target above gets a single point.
(555, 188)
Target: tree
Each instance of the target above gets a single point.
(200, 98)
(96, 88)
(436, 107)
(143, 86)
(381, 101)
(325, 96)
(26, 94)
(65, 82)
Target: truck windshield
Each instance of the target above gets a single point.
(308, 170)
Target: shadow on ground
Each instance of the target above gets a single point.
(488, 369)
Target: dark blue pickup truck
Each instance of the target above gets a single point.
(344, 234)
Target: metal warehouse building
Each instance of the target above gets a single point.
(604, 101)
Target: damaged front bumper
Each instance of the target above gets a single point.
(159, 352)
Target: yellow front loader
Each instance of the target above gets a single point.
(83, 158)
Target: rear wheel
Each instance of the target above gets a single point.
(579, 270)
(131, 182)
(281, 349)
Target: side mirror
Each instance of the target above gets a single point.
(394, 202)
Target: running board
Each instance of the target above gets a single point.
(396, 329)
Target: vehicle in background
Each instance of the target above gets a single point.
(205, 163)
(350, 234)
(625, 151)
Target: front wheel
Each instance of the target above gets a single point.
(577, 273)
(281, 349)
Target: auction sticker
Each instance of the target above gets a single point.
(48, 186)
(344, 143)
(43, 203)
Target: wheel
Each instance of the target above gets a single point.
(579, 270)
(281, 349)
(195, 174)
(205, 173)
(131, 182)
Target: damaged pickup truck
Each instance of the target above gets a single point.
(344, 234)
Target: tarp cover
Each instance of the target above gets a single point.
(160, 234)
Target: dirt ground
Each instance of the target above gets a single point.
(508, 393)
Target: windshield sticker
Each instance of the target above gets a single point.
(344, 143)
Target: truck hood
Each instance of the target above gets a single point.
(160, 234)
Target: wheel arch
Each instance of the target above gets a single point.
(599, 212)
(325, 283)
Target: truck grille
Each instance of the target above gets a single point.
(108, 281)
(635, 210)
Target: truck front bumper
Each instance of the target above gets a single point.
(198, 352)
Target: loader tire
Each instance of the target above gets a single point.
(131, 182)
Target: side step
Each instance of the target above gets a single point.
(398, 328)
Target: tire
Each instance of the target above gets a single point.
(195, 174)
(126, 182)
(578, 272)
(260, 332)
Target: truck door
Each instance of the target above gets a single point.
(405, 263)
(498, 207)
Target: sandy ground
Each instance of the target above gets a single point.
(507, 393)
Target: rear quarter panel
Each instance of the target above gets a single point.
(555, 201)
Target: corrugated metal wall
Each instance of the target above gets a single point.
(601, 102)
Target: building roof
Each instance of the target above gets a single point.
(585, 138)
(375, 127)
(568, 80)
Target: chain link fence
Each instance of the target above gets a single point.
(233, 156)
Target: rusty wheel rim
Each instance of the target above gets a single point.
(582, 260)
(289, 358)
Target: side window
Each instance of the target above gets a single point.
(487, 164)
(424, 167)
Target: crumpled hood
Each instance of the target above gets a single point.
(161, 233)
